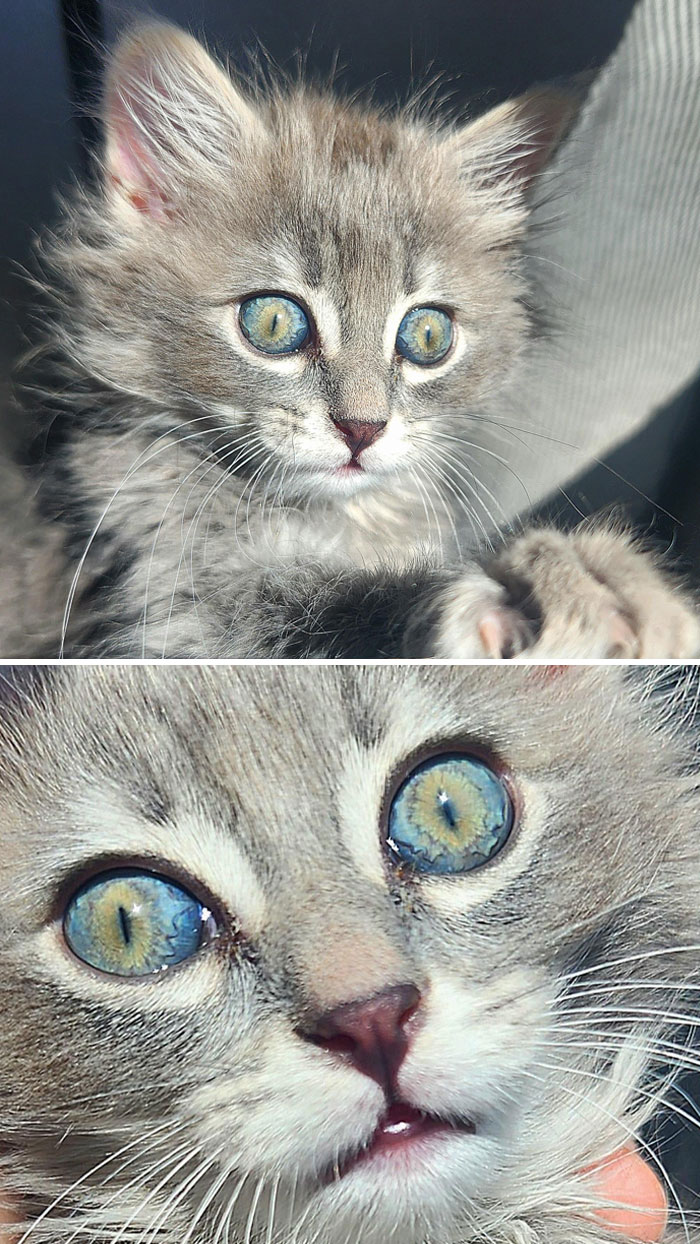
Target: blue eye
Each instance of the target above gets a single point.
(132, 923)
(452, 814)
(274, 324)
(425, 335)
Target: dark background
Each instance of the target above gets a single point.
(484, 49)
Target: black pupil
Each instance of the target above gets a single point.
(125, 925)
(428, 334)
(447, 809)
(273, 325)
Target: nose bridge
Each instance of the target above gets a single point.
(363, 389)
(363, 376)
(339, 955)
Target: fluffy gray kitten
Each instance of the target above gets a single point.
(504, 1018)
(279, 317)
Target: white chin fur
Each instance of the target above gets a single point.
(413, 1195)
(331, 484)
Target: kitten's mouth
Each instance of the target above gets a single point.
(399, 1129)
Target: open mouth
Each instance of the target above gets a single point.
(399, 1129)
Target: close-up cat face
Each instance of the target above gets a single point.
(334, 953)
(325, 286)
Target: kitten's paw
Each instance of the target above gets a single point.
(595, 595)
(476, 621)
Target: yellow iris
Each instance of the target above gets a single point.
(274, 322)
(121, 925)
(453, 812)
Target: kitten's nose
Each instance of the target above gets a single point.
(359, 434)
(371, 1035)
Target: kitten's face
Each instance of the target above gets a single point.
(228, 1087)
(354, 220)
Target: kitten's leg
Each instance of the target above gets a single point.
(593, 594)
(308, 611)
(588, 594)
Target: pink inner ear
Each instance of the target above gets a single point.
(529, 137)
(132, 160)
(527, 158)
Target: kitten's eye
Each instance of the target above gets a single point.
(274, 324)
(425, 335)
(131, 923)
(452, 814)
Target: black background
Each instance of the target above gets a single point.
(483, 49)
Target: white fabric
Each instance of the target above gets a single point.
(616, 245)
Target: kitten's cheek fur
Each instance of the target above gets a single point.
(306, 1114)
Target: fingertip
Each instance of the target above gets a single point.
(642, 1209)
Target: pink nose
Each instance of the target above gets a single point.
(371, 1035)
(358, 434)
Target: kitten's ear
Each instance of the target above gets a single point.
(169, 109)
(514, 141)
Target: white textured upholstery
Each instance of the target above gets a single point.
(617, 249)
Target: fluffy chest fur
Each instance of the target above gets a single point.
(184, 540)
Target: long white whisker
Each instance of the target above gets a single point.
(112, 1157)
(228, 449)
(139, 462)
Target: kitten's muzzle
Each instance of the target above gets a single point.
(373, 1035)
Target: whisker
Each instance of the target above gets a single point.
(630, 1134)
(227, 450)
(66, 1192)
(139, 462)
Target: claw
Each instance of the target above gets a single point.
(623, 641)
(503, 634)
(492, 633)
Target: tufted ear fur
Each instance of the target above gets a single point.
(169, 110)
(513, 142)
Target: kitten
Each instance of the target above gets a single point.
(416, 940)
(282, 314)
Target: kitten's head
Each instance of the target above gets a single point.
(328, 283)
(388, 951)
